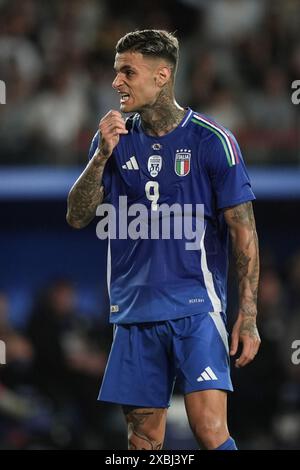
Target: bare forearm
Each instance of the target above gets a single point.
(245, 249)
(247, 266)
(87, 193)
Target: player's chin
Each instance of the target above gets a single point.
(127, 107)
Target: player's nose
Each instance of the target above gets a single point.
(117, 82)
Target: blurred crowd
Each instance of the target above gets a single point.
(51, 379)
(237, 63)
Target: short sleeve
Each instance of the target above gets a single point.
(227, 170)
(94, 145)
(106, 178)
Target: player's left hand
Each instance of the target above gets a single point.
(245, 331)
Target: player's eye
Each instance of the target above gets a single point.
(129, 73)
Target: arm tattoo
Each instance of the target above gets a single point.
(249, 328)
(245, 247)
(86, 194)
(242, 263)
(243, 214)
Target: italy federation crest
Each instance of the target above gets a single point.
(154, 165)
(182, 162)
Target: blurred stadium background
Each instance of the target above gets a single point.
(238, 61)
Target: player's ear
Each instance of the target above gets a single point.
(163, 75)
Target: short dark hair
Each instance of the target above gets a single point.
(151, 42)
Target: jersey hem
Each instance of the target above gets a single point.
(159, 320)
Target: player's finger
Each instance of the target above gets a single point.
(255, 343)
(119, 130)
(113, 131)
(256, 346)
(116, 119)
(246, 355)
(234, 343)
(112, 113)
(105, 126)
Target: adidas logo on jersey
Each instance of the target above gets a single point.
(207, 374)
(131, 164)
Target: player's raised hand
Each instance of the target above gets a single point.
(111, 126)
(245, 331)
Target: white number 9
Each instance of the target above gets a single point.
(152, 193)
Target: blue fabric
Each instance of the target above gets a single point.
(145, 360)
(159, 279)
(228, 445)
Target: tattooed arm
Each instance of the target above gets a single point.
(240, 220)
(87, 193)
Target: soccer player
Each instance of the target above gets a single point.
(169, 302)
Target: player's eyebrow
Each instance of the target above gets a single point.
(124, 68)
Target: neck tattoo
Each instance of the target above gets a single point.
(163, 116)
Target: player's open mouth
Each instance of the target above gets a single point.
(124, 97)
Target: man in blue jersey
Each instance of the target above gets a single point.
(168, 299)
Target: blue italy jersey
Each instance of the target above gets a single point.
(198, 164)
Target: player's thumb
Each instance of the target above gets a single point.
(234, 343)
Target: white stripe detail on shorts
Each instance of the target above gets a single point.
(211, 373)
(208, 279)
(205, 375)
(187, 118)
(219, 129)
(217, 319)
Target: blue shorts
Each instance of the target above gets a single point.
(146, 359)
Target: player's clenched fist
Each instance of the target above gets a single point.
(111, 126)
